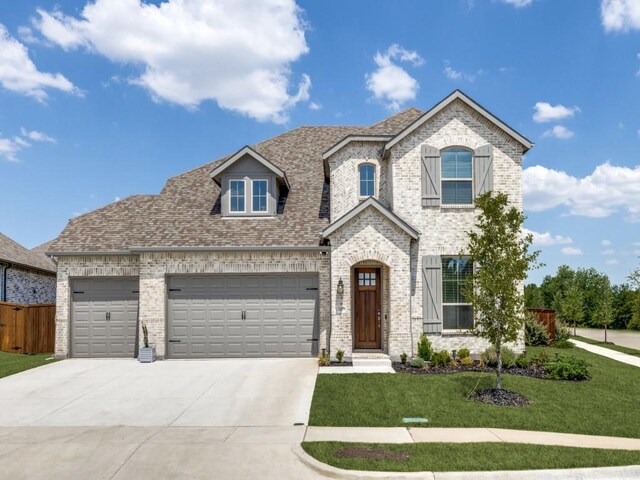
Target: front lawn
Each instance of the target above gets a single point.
(448, 457)
(610, 346)
(11, 363)
(605, 405)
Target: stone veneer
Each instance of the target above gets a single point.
(28, 286)
(153, 268)
(443, 229)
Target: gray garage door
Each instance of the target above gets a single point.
(242, 316)
(104, 317)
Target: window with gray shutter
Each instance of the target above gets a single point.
(483, 169)
(431, 294)
(430, 176)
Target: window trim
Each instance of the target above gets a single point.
(244, 195)
(470, 179)
(375, 179)
(266, 194)
(456, 304)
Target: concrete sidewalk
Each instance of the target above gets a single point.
(465, 435)
(606, 352)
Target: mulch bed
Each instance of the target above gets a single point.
(502, 398)
(340, 364)
(371, 453)
(532, 371)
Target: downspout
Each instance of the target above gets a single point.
(4, 281)
(411, 314)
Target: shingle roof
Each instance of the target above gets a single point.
(14, 253)
(187, 211)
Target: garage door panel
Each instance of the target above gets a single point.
(280, 315)
(104, 315)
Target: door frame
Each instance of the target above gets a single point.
(355, 288)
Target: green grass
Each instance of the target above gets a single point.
(610, 346)
(448, 457)
(605, 405)
(11, 363)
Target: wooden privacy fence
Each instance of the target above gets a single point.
(546, 317)
(27, 328)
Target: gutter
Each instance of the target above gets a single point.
(138, 250)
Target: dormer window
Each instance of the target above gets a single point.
(236, 196)
(259, 189)
(367, 180)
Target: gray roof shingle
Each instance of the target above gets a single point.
(187, 212)
(14, 253)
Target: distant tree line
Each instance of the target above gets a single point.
(587, 298)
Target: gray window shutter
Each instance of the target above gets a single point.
(430, 176)
(431, 294)
(483, 169)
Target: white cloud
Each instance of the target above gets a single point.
(620, 15)
(636, 252)
(116, 199)
(636, 244)
(9, 149)
(315, 106)
(26, 35)
(559, 131)
(19, 74)
(611, 261)
(545, 112)
(638, 132)
(454, 74)
(36, 136)
(390, 83)
(608, 251)
(237, 53)
(451, 73)
(571, 251)
(547, 238)
(518, 3)
(605, 243)
(607, 190)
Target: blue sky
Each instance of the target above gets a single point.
(106, 99)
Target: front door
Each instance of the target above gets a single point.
(367, 308)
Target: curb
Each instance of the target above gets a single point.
(605, 473)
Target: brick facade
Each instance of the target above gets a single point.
(27, 286)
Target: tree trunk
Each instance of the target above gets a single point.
(605, 333)
(574, 328)
(499, 370)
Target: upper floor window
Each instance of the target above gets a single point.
(457, 313)
(236, 196)
(367, 180)
(457, 176)
(259, 196)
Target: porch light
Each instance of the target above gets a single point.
(340, 286)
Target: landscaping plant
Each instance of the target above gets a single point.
(466, 361)
(425, 350)
(494, 290)
(490, 357)
(534, 333)
(323, 359)
(440, 359)
(463, 353)
(403, 358)
(418, 362)
(340, 355)
(145, 335)
(567, 368)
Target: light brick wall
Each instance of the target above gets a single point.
(29, 286)
(153, 268)
(371, 239)
(345, 179)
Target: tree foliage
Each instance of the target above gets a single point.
(494, 289)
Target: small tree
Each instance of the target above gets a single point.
(572, 308)
(495, 288)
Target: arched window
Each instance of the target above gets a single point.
(457, 176)
(367, 179)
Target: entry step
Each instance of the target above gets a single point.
(364, 359)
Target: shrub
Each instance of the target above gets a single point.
(534, 333)
(323, 360)
(522, 361)
(403, 357)
(464, 353)
(540, 359)
(490, 358)
(441, 358)
(567, 368)
(418, 362)
(563, 343)
(340, 355)
(453, 364)
(425, 350)
(466, 361)
(563, 333)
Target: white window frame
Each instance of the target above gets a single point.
(243, 181)
(266, 181)
(443, 304)
(470, 179)
(375, 179)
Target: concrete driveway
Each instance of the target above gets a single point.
(238, 392)
(187, 419)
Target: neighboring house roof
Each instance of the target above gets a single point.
(375, 204)
(247, 150)
(14, 253)
(459, 95)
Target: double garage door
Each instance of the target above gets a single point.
(208, 316)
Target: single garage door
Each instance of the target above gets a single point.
(104, 317)
(242, 316)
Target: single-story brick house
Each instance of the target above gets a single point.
(26, 276)
(323, 237)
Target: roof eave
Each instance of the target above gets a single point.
(247, 150)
